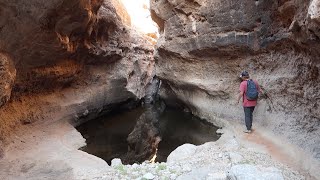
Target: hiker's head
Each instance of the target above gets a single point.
(244, 75)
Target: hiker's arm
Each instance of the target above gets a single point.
(240, 96)
(259, 88)
(241, 89)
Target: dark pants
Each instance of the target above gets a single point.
(248, 116)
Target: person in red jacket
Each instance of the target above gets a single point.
(248, 105)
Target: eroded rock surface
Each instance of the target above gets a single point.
(7, 76)
(73, 59)
(204, 46)
(144, 139)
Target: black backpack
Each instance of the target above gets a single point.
(252, 91)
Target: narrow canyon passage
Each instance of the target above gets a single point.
(81, 82)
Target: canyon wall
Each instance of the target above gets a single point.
(68, 59)
(204, 45)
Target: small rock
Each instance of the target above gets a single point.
(231, 144)
(152, 165)
(116, 162)
(134, 166)
(135, 173)
(173, 176)
(248, 172)
(235, 157)
(86, 112)
(217, 176)
(220, 155)
(186, 168)
(220, 131)
(148, 176)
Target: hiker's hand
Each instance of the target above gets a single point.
(263, 95)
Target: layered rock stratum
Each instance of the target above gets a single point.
(205, 45)
(67, 59)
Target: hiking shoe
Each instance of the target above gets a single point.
(247, 131)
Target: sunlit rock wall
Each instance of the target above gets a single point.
(68, 59)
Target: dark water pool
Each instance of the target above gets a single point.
(106, 136)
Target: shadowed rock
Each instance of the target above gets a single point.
(144, 139)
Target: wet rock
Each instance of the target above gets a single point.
(144, 139)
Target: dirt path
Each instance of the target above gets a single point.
(280, 153)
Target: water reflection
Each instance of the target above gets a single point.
(135, 135)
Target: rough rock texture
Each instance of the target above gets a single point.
(204, 46)
(143, 140)
(71, 59)
(7, 76)
(50, 151)
(247, 172)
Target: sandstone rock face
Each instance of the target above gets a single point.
(72, 59)
(205, 45)
(7, 76)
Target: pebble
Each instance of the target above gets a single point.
(148, 176)
(186, 168)
(116, 162)
(134, 166)
(219, 131)
(173, 176)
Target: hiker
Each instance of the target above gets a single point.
(249, 91)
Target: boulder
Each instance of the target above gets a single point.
(181, 153)
(116, 162)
